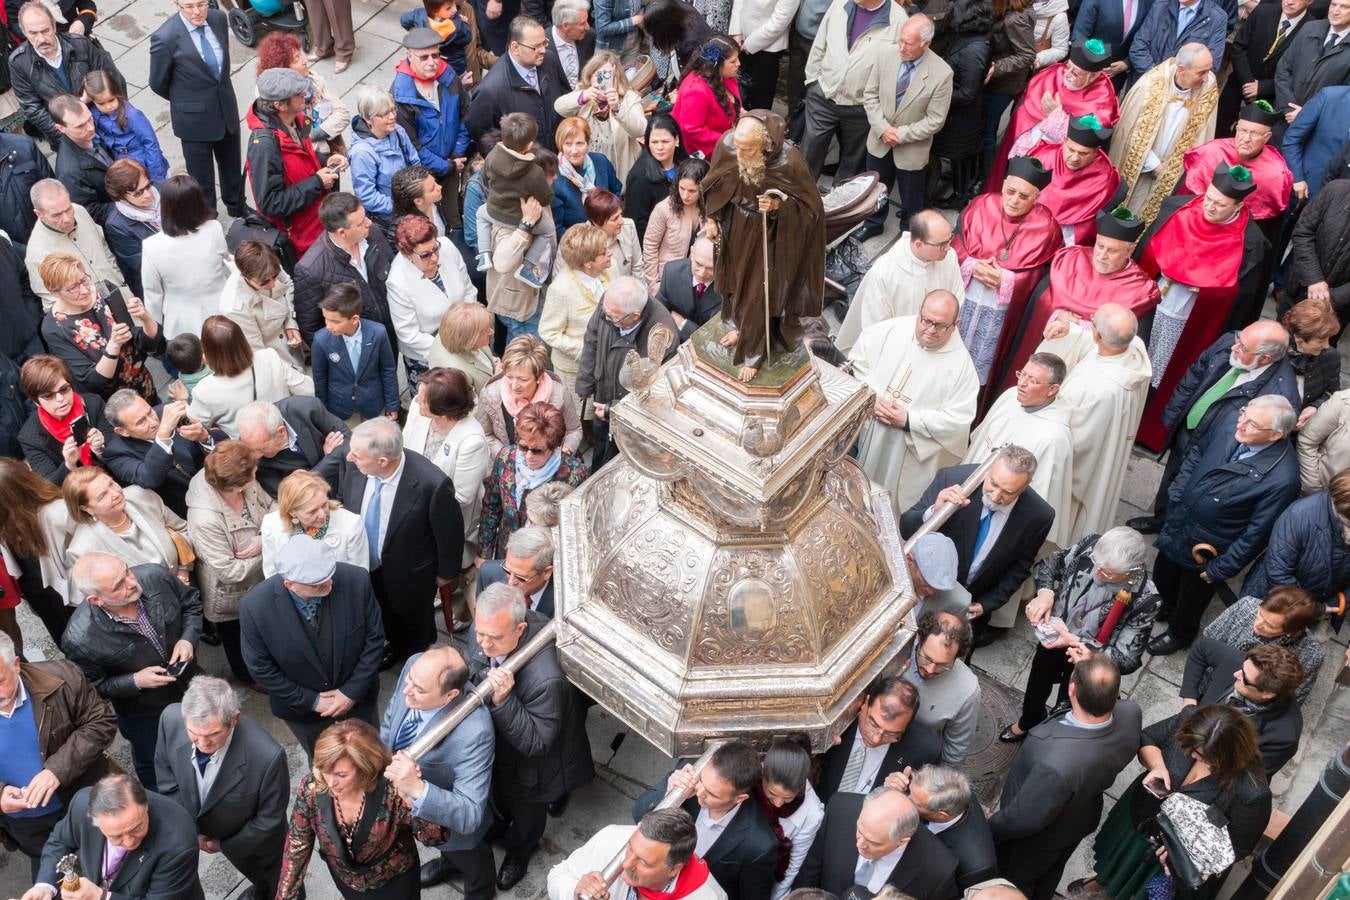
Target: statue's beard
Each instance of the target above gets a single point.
(752, 170)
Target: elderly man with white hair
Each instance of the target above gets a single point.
(1221, 508)
(65, 227)
(1095, 596)
(625, 320)
(949, 809)
(231, 777)
(292, 434)
(414, 530)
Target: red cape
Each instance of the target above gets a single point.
(1099, 99)
(1271, 173)
(1079, 288)
(1075, 198)
(1195, 252)
(984, 229)
(690, 879)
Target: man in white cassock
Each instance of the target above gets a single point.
(1106, 389)
(926, 390)
(920, 262)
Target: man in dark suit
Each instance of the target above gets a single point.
(22, 165)
(571, 42)
(883, 742)
(735, 839)
(81, 159)
(413, 526)
(1106, 21)
(1258, 47)
(311, 634)
(687, 289)
(451, 783)
(129, 843)
(1261, 683)
(229, 774)
(1238, 366)
(135, 639)
(1317, 57)
(528, 566)
(294, 433)
(1316, 138)
(996, 540)
(190, 67)
(50, 63)
(542, 751)
(505, 89)
(1171, 25)
(948, 808)
(157, 449)
(895, 850)
(1053, 796)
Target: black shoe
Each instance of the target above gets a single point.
(559, 806)
(1145, 524)
(988, 634)
(1166, 644)
(438, 870)
(513, 869)
(209, 633)
(389, 660)
(868, 231)
(1008, 736)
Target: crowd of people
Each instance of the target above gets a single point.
(298, 436)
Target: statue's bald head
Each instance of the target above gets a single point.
(1116, 327)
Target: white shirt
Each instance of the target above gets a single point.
(881, 868)
(18, 701)
(873, 757)
(567, 55)
(1251, 375)
(534, 598)
(210, 39)
(996, 524)
(389, 490)
(939, 827)
(359, 260)
(208, 778)
(710, 829)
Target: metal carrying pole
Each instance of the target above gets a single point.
(480, 692)
(947, 510)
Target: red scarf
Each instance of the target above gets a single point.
(1075, 197)
(60, 428)
(690, 879)
(1192, 250)
(774, 814)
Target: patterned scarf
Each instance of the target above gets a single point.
(585, 179)
(775, 815)
(528, 479)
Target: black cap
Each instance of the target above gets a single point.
(1089, 131)
(1090, 54)
(1031, 170)
(1120, 223)
(1260, 112)
(1233, 181)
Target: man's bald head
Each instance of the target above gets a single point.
(937, 319)
(1116, 326)
(915, 36)
(1194, 63)
(930, 235)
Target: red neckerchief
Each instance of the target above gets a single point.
(774, 814)
(690, 879)
(60, 428)
(1192, 250)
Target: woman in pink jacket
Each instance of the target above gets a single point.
(709, 100)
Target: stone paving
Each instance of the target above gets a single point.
(125, 31)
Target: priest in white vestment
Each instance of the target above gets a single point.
(920, 262)
(1106, 389)
(926, 390)
(648, 868)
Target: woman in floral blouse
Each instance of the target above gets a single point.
(103, 355)
(363, 827)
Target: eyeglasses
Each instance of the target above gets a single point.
(76, 287)
(425, 255)
(929, 325)
(142, 190)
(1244, 419)
(192, 7)
(1252, 133)
(57, 392)
(926, 660)
(1026, 376)
(533, 451)
(1246, 682)
(876, 726)
(533, 47)
(622, 320)
(940, 245)
(516, 577)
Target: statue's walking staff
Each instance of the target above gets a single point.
(764, 231)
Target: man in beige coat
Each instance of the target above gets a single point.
(906, 98)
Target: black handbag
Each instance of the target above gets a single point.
(254, 227)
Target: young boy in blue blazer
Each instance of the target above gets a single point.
(353, 360)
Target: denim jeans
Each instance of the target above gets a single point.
(516, 327)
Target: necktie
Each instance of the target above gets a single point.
(1184, 16)
(699, 289)
(371, 514)
(494, 663)
(982, 532)
(354, 351)
(1279, 36)
(1237, 453)
(208, 55)
(532, 76)
(436, 280)
(852, 769)
(113, 857)
(203, 759)
(1208, 398)
(1128, 17)
(1332, 41)
(903, 79)
(863, 874)
(408, 730)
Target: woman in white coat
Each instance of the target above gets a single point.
(615, 112)
(259, 297)
(304, 507)
(240, 376)
(761, 29)
(465, 343)
(131, 523)
(426, 277)
(183, 268)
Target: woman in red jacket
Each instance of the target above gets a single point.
(709, 100)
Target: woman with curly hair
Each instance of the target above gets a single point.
(325, 114)
(709, 101)
(673, 222)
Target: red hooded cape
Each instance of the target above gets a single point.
(1099, 99)
(690, 879)
(1075, 198)
(1271, 173)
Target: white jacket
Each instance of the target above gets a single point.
(1052, 14)
(464, 458)
(416, 305)
(263, 316)
(346, 534)
(217, 398)
(182, 278)
(763, 23)
(840, 71)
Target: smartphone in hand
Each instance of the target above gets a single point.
(79, 430)
(1156, 788)
(178, 668)
(115, 303)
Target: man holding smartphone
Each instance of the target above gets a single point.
(157, 449)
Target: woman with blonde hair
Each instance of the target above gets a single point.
(363, 827)
(464, 342)
(524, 379)
(614, 111)
(32, 543)
(226, 506)
(573, 296)
(305, 507)
(240, 376)
(580, 171)
(132, 523)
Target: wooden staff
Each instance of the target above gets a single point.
(764, 230)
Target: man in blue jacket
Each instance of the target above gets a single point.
(1170, 25)
(1315, 137)
(1308, 547)
(436, 128)
(1221, 508)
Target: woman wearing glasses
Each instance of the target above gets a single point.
(103, 355)
(426, 277)
(49, 444)
(1093, 596)
(133, 218)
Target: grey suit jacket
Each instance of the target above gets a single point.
(458, 772)
(246, 807)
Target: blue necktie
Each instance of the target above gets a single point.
(902, 82)
(1184, 16)
(1237, 452)
(354, 352)
(202, 760)
(372, 517)
(408, 730)
(982, 533)
(208, 54)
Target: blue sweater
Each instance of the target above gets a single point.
(22, 759)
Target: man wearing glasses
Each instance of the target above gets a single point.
(949, 701)
(519, 82)
(926, 390)
(921, 262)
(882, 745)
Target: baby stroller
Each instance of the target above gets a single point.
(247, 17)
